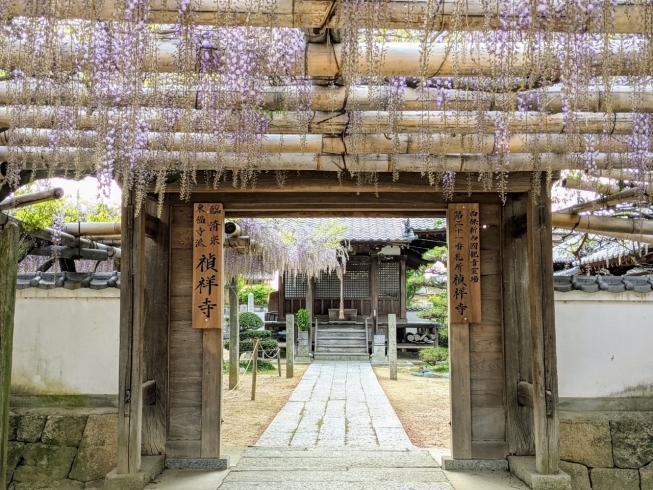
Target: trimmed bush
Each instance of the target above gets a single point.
(249, 321)
(254, 334)
(433, 355)
(248, 345)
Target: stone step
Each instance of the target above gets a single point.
(341, 340)
(341, 348)
(332, 356)
(345, 331)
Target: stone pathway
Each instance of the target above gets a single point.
(337, 404)
(338, 431)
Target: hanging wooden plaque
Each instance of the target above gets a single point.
(208, 261)
(464, 270)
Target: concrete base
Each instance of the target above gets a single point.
(450, 464)
(523, 467)
(214, 464)
(303, 360)
(151, 466)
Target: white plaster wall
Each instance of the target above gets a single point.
(605, 343)
(66, 342)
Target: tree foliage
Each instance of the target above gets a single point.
(260, 292)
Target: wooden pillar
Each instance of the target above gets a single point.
(282, 296)
(155, 353)
(309, 298)
(374, 293)
(402, 287)
(234, 334)
(130, 399)
(516, 324)
(290, 346)
(543, 347)
(211, 393)
(310, 287)
(8, 271)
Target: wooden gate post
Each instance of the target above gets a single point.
(132, 321)
(543, 338)
(8, 270)
(234, 334)
(290, 346)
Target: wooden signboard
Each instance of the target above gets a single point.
(208, 277)
(464, 271)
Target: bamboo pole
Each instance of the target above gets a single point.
(518, 162)
(598, 224)
(402, 143)
(339, 98)
(371, 122)
(395, 14)
(399, 59)
(64, 238)
(30, 199)
(622, 197)
(591, 186)
(91, 228)
(76, 253)
(9, 235)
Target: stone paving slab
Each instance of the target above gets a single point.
(326, 459)
(337, 403)
(327, 485)
(347, 475)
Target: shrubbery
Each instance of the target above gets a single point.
(249, 321)
(433, 355)
(303, 320)
(261, 365)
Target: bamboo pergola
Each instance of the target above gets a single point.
(427, 101)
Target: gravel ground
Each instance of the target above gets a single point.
(422, 405)
(245, 420)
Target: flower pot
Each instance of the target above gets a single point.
(302, 343)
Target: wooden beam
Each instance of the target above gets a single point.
(543, 346)
(324, 182)
(525, 396)
(9, 235)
